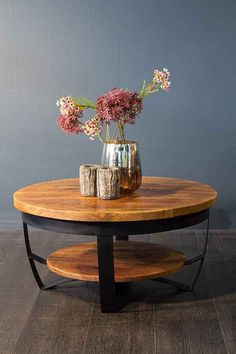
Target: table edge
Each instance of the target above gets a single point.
(117, 216)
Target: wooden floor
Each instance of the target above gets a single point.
(158, 320)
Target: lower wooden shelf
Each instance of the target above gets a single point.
(133, 261)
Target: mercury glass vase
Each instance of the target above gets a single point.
(126, 157)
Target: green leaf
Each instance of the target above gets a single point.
(86, 102)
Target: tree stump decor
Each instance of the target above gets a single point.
(108, 182)
(88, 180)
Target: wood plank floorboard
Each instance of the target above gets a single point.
(58, 322)
(157, 320)
(18, 290)
(7, 241)
(220, 269)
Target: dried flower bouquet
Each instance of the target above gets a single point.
(118, 106)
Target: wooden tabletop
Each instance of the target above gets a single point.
(157, 198)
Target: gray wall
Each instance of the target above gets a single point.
(51, 48)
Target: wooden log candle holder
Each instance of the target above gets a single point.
(88, 180)
(108, 182)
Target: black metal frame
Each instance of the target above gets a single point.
(35, 258)
(111, 293)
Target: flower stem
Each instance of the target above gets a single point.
(115, 131)
(123, 132)
(100, 138)
(107, 133)
(121, 129)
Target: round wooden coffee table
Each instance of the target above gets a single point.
(160, 204)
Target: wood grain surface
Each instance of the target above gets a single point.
(132, 260)
(157, 198)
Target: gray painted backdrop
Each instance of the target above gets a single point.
(85, 47)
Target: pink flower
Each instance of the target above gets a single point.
(92, 127)
(68, 106)
(162, 78)
(70, 124)
(119, 105)
(71, 112)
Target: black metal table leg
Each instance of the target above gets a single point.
(112, 300)
(35, 258)
(31, 258)
(200, 258)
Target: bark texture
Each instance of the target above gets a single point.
(88, 180)
(108, 182)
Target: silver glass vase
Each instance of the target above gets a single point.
(126, 157)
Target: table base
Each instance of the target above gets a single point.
(112, 293)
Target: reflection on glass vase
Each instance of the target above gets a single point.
(126, 157)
